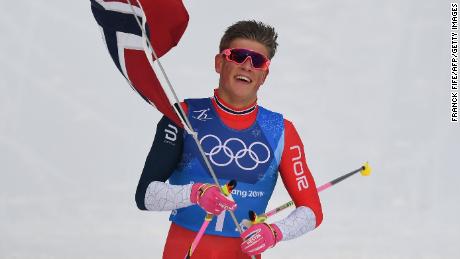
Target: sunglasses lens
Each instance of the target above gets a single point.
(240, 55)
(258, 60)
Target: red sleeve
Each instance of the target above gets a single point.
(295, 173)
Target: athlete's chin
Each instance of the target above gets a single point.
(244, 88)
(243, 92)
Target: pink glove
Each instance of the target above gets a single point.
(209, 197)
(260, 237)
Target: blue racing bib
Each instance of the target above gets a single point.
(250, 156)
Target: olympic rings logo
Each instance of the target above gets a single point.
(224, 149)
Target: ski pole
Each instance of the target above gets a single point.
(254, 218)
(226, 189)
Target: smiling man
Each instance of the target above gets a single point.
(239, 81)
(243, 141)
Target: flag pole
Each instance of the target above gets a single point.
(148, 47)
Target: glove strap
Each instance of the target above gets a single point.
(199, 192)
(275, 234)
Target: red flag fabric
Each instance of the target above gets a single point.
(166, 21)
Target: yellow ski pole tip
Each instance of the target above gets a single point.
(366, 169)
(260, 219)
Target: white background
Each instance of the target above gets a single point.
(361, 80)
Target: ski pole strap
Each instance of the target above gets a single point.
(275, 234)
(203, 188)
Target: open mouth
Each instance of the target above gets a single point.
(244, 79)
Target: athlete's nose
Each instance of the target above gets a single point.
(247, 63)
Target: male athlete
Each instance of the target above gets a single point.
(243, 141)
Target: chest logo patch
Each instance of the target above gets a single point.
(202, 115)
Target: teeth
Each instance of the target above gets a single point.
(244, 78)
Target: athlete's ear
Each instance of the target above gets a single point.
(265, 76)
(218, 62)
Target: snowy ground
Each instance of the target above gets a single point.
(362, 80)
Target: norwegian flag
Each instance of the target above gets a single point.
(165, 22)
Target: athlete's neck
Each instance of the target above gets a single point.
(232, 108)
